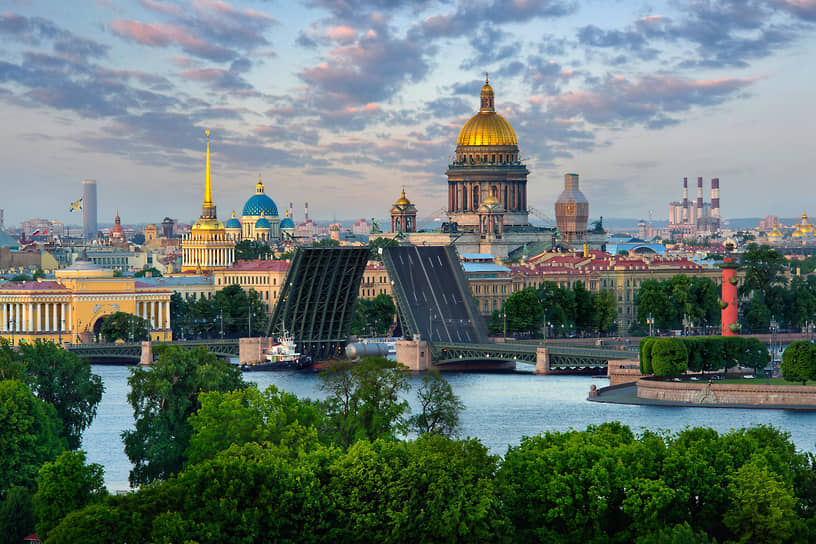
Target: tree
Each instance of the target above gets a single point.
(799, 361)
(379, 243)
(249, 415)
(138, 238)
(16, 515)
(373, 316)
(669, 357)
(326, 242)
(524, 311)
(363, 401)
(605, 311)
(763, 268)
(652, 300)
(154, 273)
(440, 407)
(29, 434)
(125, 327)
(65, 381)
(762, 507)
(65, 485)
(163, 398)
(584, 308)
(250, 250)
(559, 305)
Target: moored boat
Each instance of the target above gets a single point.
(282, 355)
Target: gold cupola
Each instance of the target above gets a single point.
(487, 128)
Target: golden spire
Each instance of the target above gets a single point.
(207, 183)
(487, 81)
(487, 98)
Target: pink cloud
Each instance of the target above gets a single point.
(341, 34)
(165, 34)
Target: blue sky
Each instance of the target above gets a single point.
(341, 103)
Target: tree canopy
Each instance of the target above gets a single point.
(799, 361)
(125, 327)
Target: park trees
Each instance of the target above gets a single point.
(163, 398)
(66, 382)
(669, 357)
(250, 250)
(524, 311)
(29, 435)
(373, 316)
(153, 271)
(363, 401)
(232, 310)
(670, 302)
(799, 361)
(125, 327)
(16, 514)
(65, 485)
(439, 407)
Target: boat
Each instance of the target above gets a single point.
(282, 355)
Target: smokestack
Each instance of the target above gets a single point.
(685, 201)
(715, 197)
(699, 198)
(307, 212)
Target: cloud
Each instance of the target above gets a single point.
(218, 79)
(163, 35)
(649, 100)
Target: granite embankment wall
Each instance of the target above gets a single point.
(717, 393)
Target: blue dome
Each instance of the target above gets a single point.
(287, 223)
(233, 224)
(260, 204)
(262, 223)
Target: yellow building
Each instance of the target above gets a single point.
(207, 247)
(375, 281)
(74, 306)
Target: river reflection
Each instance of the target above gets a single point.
(500, 409)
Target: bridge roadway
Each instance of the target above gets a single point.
(561, 357)
(132, 351)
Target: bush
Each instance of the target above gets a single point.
(669, 357)
(646, 355)
(799, 361)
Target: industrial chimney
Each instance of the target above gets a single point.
(306, 212)
(699, 198)
(685, 201)
(715, 197)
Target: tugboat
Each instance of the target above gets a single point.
(281, 356)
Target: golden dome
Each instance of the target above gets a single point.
(797, 233)
(208, 224)
(775, 233)
(403, 201)
(487, 127)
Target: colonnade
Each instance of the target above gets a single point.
(28, 317)
(468, 195)
(208, 256)
(155, 312)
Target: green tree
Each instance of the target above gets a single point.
(681, 533)
(126, 327)
(65, 485)
(524, 311)
(326, 242)
(154, 273)
(373, 316)
(138, 238)
(559, 305)
(652, 299)
(232, 306)
(29, 434)
(250, 250)
(799, 361)
(584, 308)
(379, 243)
(249, 415)
(763, 268)
(762, 506)
(439, 405)
(669, 357)
(163, 398)
(605, 311)
(433, 489)
(66, 382)
(16, 515)
(363, 401)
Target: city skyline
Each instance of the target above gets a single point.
(341, 105)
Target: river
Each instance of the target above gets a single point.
(499, 410)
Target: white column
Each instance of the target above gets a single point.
(55, 323)
(62, 316)
(154, 315)
(30, 317)
(5, 317)
(47, 315)
(70, 321)
(167, 315)
(18, 320)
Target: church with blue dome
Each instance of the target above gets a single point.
(259, 221)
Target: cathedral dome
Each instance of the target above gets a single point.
(233, 223)
(262, 223)
(487, 127)
(287, 223)
(260, 204)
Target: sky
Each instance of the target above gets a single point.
(341, 103)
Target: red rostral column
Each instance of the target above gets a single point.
(729, 296)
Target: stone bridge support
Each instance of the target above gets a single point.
(415, 354)
(147, 353)
(542, 361)
(251, 350)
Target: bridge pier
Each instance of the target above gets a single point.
(415, 354)
(542, 361)
(251, 350)
(147, 353)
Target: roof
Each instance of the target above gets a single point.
(33, 286)
(259, 266)
(176, 281)
(476, 256)
(260, 204)
(484, 267)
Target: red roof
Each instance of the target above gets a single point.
(49, 285)
(260, 266)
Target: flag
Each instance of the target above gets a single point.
(35, 233)
(75, 206)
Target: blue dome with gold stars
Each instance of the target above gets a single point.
(287, 224)
(233, 223)
(260, 204)
(262, 223)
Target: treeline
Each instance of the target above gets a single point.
(563, 310)
(669, 302)
(671, 357)
(228, 311)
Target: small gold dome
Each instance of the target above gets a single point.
(208, 224)
(487, 127)
(403, 201)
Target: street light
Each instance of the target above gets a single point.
(774, 327)
(650, 321)
(504, 315)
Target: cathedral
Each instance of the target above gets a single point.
(487, 192)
